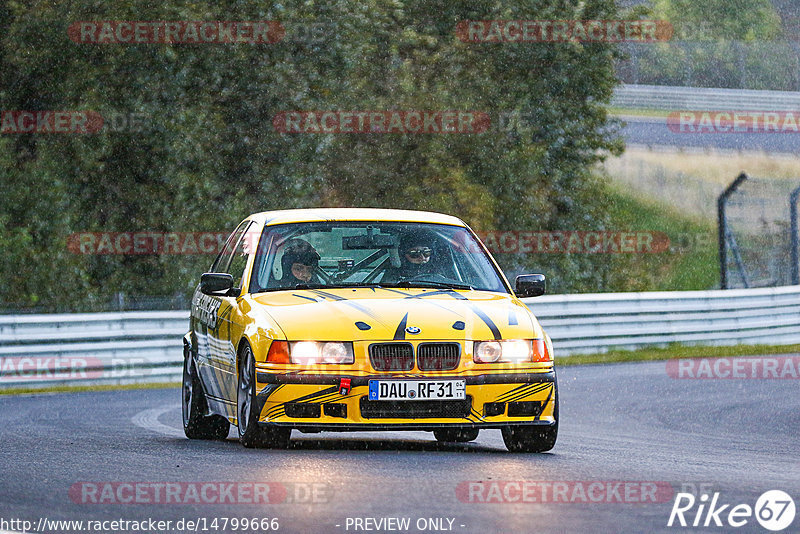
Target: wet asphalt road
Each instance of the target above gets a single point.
(624, 422)
(654, 132)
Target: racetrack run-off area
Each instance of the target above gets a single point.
(629, 435)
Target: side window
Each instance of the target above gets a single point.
(224, 258)
(263, 263)
(243, 250)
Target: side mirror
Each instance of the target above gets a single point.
(530, 285)
(218, 284)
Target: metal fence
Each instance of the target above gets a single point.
(758, 234)
(118, 348)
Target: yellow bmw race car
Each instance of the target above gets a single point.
(365, 319)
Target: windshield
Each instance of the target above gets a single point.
(371, 253)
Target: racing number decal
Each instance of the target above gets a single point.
(204, 309)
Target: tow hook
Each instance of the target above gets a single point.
(344, 386)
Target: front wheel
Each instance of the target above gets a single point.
(250, 433)
(196, 424)
(532, 438)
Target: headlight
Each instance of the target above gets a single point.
(510, 351)
(334, 352)
(487, 351)
(313, 352)
(305, 352)
(516, 351)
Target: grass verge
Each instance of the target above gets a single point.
(78, 389)
(689, 264)
(650, 113)
(717, 169)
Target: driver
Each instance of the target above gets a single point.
(416, 250)
(299, 262)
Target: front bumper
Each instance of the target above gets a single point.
(314, 402)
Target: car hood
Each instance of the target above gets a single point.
(364, 314)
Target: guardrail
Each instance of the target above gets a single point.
(92, 348)
(125, 347)
(598, 322)
(668, 98)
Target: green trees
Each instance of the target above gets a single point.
(719, 43)
(204, 153)
(730, 20)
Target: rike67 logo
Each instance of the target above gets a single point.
(774, 510)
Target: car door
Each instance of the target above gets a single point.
(229, 319)
(216, 362)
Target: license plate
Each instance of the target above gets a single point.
(399, 390)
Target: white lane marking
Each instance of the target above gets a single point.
(148, 419)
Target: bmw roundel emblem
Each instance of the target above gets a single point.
(413, 329)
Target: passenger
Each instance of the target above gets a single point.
(416, 251)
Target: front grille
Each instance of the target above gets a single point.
(415, 409)
(438, 356)
(391, 356)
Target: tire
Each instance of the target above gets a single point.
(251, 435)
(532, 438)
(459, 435)
(196, 424)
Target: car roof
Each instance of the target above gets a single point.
(353, 214)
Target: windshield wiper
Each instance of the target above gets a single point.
(309, 286)
(434, 285)
(357, 284)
